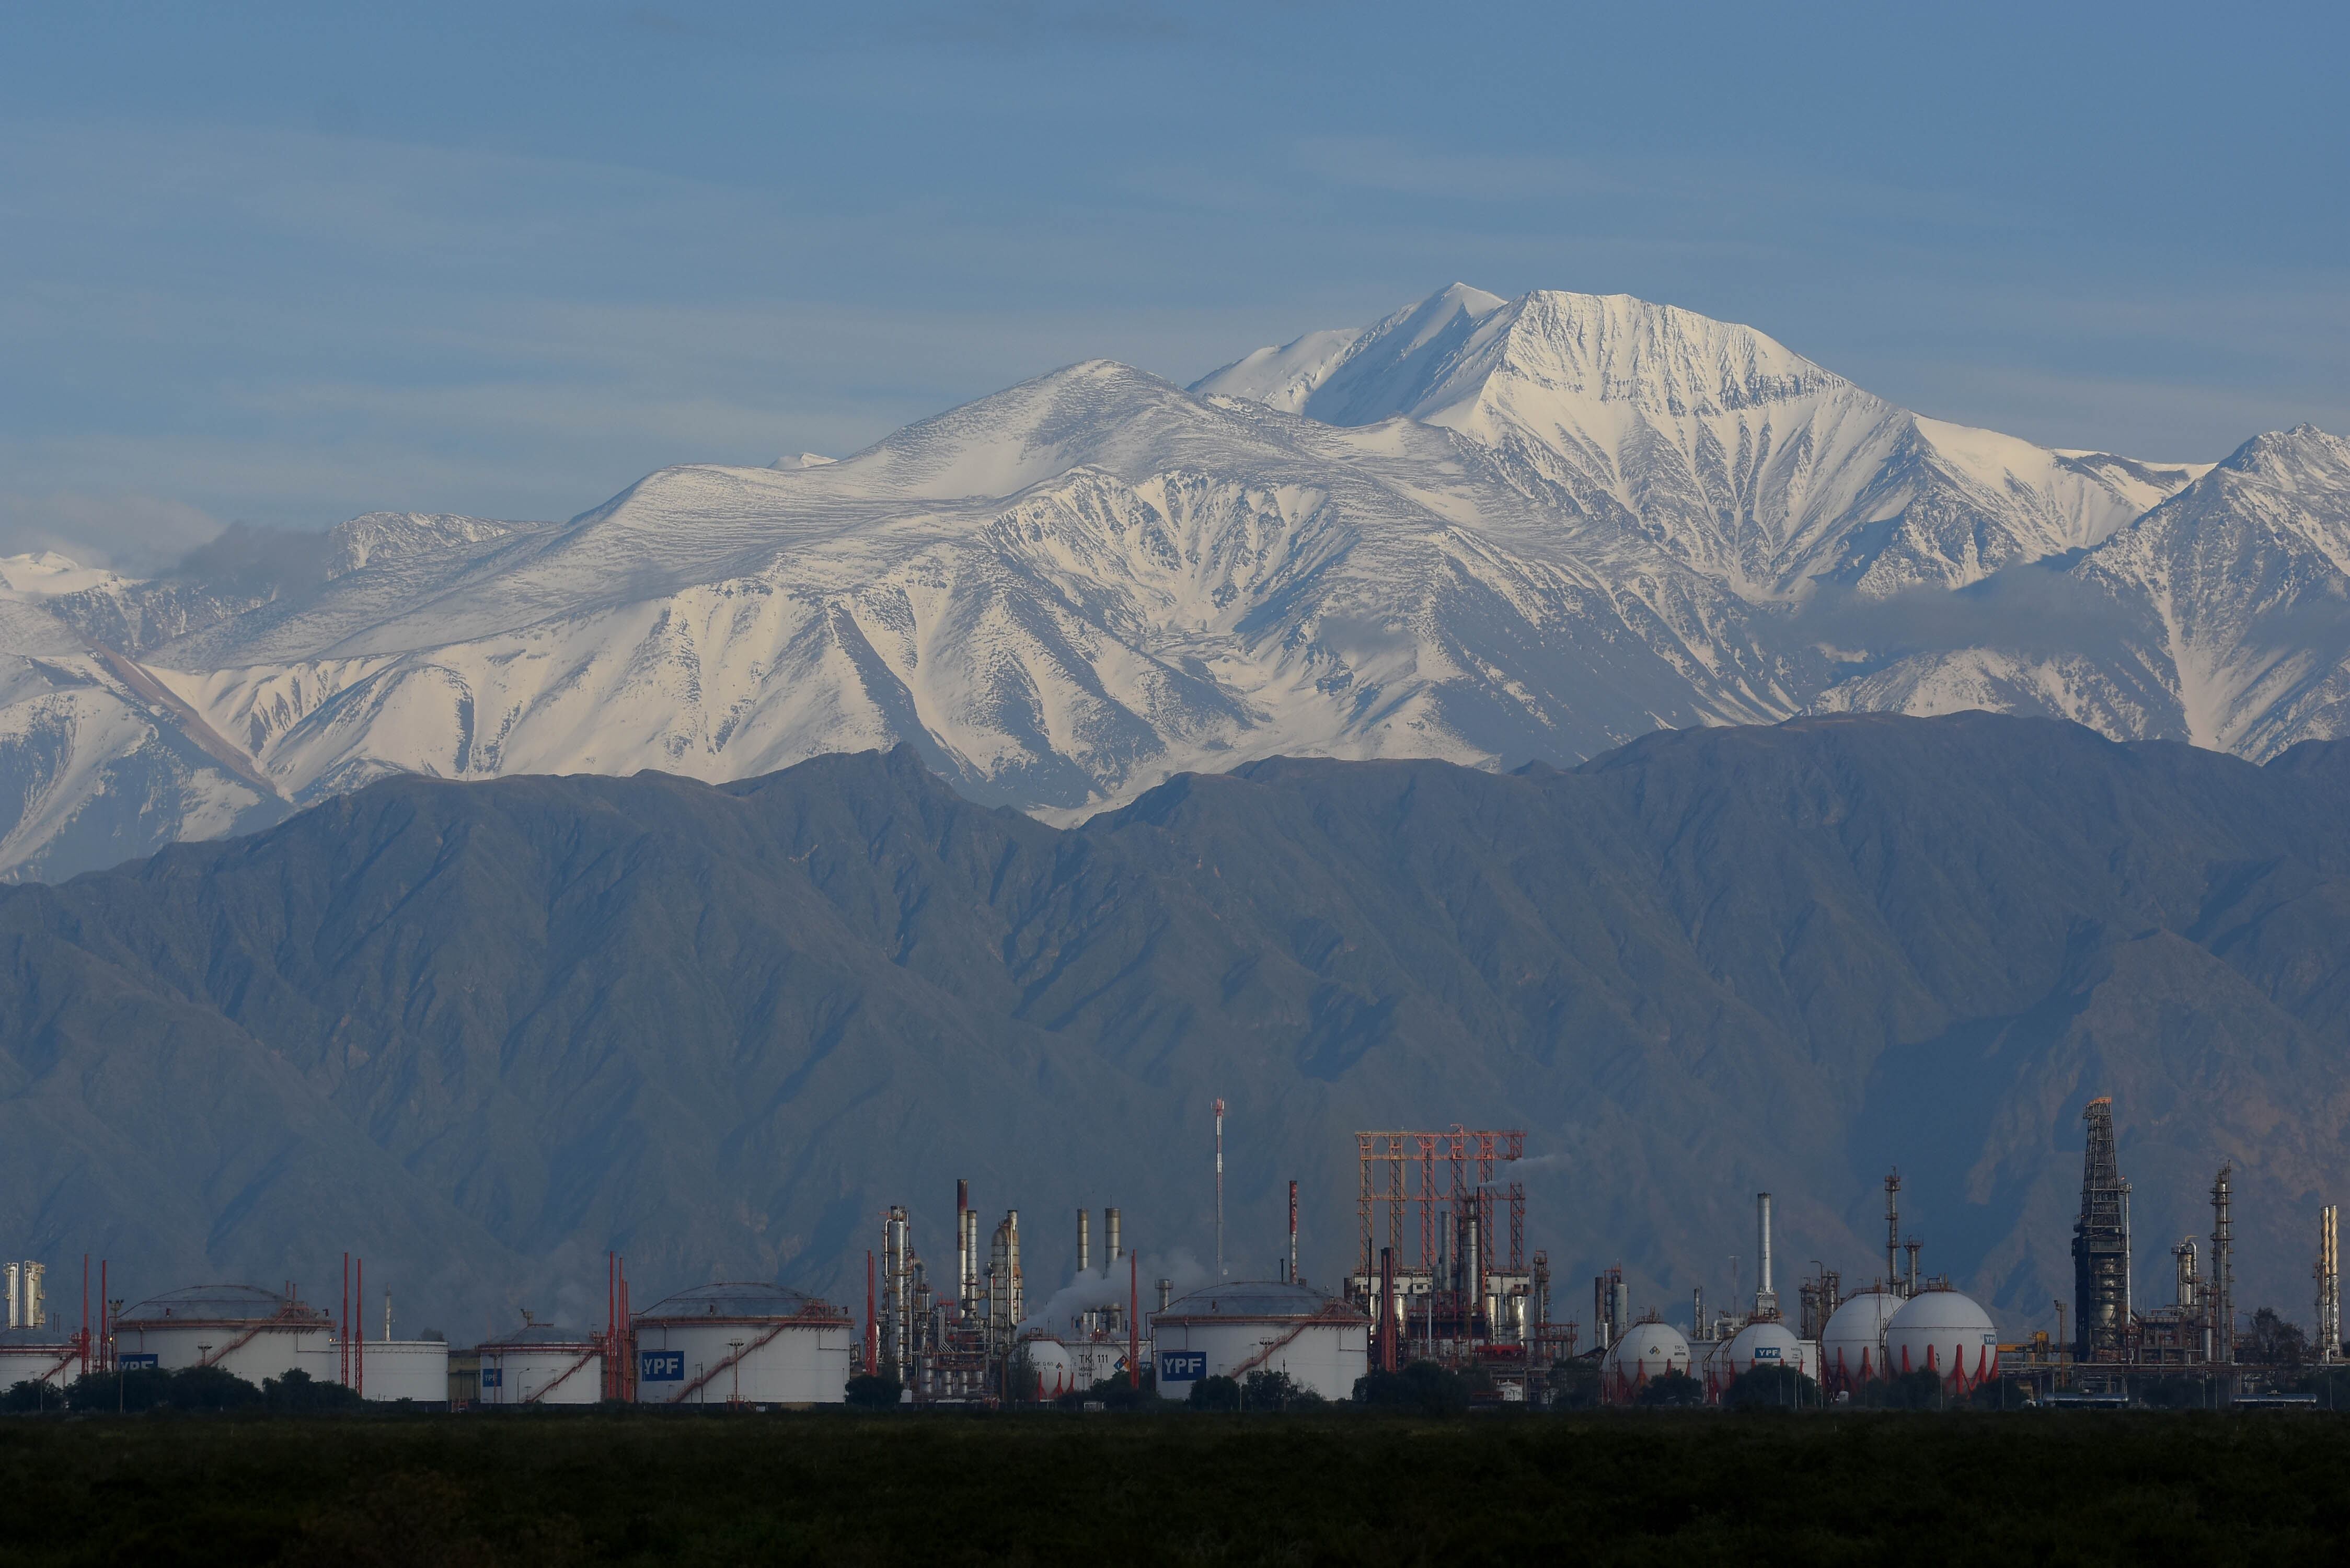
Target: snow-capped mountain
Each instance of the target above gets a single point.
(99, 761)
(2221, 616)
(1480, 530)
(1725, 448)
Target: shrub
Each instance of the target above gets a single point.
(129, 1389)
(150, 1388)
(29, 1395)
(1918, 1390)
(1672, 1388)
(874, 1391)
(297, 1390)
(2001, 1393)
(1773, 1388)
(1215, 1394)
(1422, 1388)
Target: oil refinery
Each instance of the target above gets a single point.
(1441, 1274)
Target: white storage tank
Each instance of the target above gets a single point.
(1103, 1357)
(1233, 1329)
(1052, 1370)
(1946, 1332)
(1765, 1343)
(1852, 1345)
(1643, 1352)
(754, 1343)
(37, 1356)
(251, 1332)
(396, 1369)
(540, 1363)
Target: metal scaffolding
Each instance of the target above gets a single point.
(2101, 1244)
(1400, 1173)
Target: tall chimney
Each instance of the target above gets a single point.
(1116, 1249)
(1767, 1300)
(1220, 1189)
(966, 1265)
(1166, 1293)
(1293, 1232)
(2329, 1287)
(1085, 1241)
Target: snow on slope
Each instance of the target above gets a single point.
(1482, 529)
(2221, 617)
(94, 769)
(1723, 447)
(1062, 593)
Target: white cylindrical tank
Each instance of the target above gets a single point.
(1947, 1333)
(37, 1356)
(540, 1363)
(1232, 1329)
(748, 1343)
(1644, 1351)
(415, 1369)
(1052, 1370)
(1852, 1346)
(1766, 1342)
(253, 1333)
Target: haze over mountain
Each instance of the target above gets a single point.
(1480, 530)
(480, 1032)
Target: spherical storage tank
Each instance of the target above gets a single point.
(253, 1333)
(754, 1343)
(1052, 1370)
(1768, 1343)
(1232, 1329)
(1644, 1352)
(539, 1363)
(1946, 1332)
(1852, 1346)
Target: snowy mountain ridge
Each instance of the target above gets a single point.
(1482, 530)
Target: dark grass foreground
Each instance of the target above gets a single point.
(2074, 1487)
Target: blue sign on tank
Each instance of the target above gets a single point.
(1183, 1365)
(135, 1358)
(660, 1366)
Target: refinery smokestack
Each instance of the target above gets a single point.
(1767, 1300)
(1116, 1249)
(966, 1266)
(1085, 1241)
(1293, 1232)
(1166, 1293)
(2329, 1287)
(1220, 1189)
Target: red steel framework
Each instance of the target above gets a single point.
(1399, 1156)
(619, 1338)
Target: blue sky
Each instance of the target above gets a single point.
(290, 263)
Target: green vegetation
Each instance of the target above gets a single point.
(1773, 1388)
(1332, 1486)
(1672, 1388)
(1422, 1388)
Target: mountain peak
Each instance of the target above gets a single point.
(2288, 456)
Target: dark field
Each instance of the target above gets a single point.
(834, 1488)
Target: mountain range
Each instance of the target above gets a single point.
(480, 1032)
(1481, 529)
